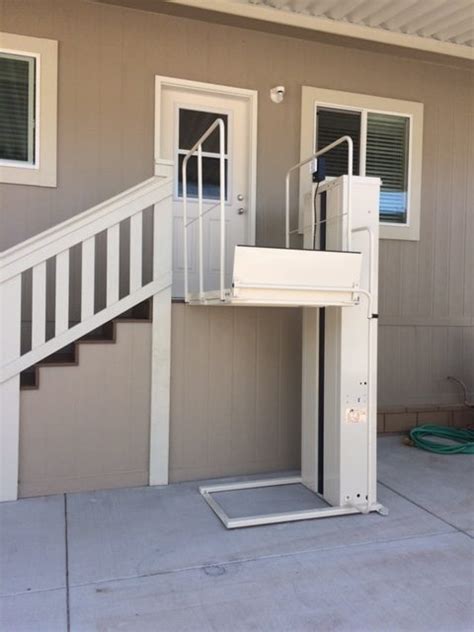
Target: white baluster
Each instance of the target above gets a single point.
(38, 312)
(88, 278)
(62, 292)
(136, 246)
(113, 264)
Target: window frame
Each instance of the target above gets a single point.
(42, 171)
(365, 104)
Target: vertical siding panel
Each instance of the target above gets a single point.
(221, 353)
(423, 359)
(425, 246)
(469, 234)
(408, 374)
(390, 277)
(244, 385)
(455, 364)
(137, 104)
(111, 121)
(458, 216)
(443, 219)
(268, 378)
(437, 366)
(196, 385)
(468, 360)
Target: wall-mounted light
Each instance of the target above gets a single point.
(277, 94)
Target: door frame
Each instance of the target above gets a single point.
(252, 97)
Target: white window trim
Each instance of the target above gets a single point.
(44, 169)
(313, 97)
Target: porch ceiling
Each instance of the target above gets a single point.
(443, 26)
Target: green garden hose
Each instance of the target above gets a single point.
(459, 440)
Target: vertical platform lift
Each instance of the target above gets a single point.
(334, 280)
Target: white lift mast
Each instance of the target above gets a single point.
(334, 279)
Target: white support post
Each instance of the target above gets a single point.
(161, 339)
(160, 388)
(10, 332)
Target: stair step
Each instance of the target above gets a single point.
(28, 378)
(66, 356)
(104, 333)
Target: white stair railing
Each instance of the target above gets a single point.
(197, 149)
(56, 244)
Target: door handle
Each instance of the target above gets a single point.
(240, 211)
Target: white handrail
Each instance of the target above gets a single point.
(348, 200)
(197, 147)
(56, 243)
(54, 240)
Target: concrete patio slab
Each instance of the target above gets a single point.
(32, 545)
(132, 532)
(443, 484)
(418, 584)
(43, 611)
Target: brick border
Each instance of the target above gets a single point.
(402, 419)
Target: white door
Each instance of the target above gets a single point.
(185, 110)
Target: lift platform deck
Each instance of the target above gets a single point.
(281, 277)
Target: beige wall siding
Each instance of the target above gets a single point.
(235, 405)
(88, 426)
(108, 57)
(235, 391)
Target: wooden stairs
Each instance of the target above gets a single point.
(69, 355)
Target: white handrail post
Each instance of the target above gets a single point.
(185, 226)
(350, 159)
(200, 227)
(222, 191)
(287, 210)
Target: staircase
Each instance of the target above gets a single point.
(70, 355)
(21, 363)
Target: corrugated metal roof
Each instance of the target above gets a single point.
(443, 20)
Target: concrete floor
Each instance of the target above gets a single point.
(158, 559)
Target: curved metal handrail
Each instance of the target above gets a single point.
(348, 201)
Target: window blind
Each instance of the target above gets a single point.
(387, 158)
(17, 96)
(331, 125)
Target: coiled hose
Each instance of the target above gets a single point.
(459, 440)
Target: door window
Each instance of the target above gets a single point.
(191, 126)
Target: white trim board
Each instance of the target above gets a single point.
(43, 170)
(243, 9)
(252, 97)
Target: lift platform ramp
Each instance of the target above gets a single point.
(284, 277)
(333, 278)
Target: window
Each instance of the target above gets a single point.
(28, 108)
(387, 137)
(191, 126)
(17, 108)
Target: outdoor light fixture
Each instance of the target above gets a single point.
(277, 94)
